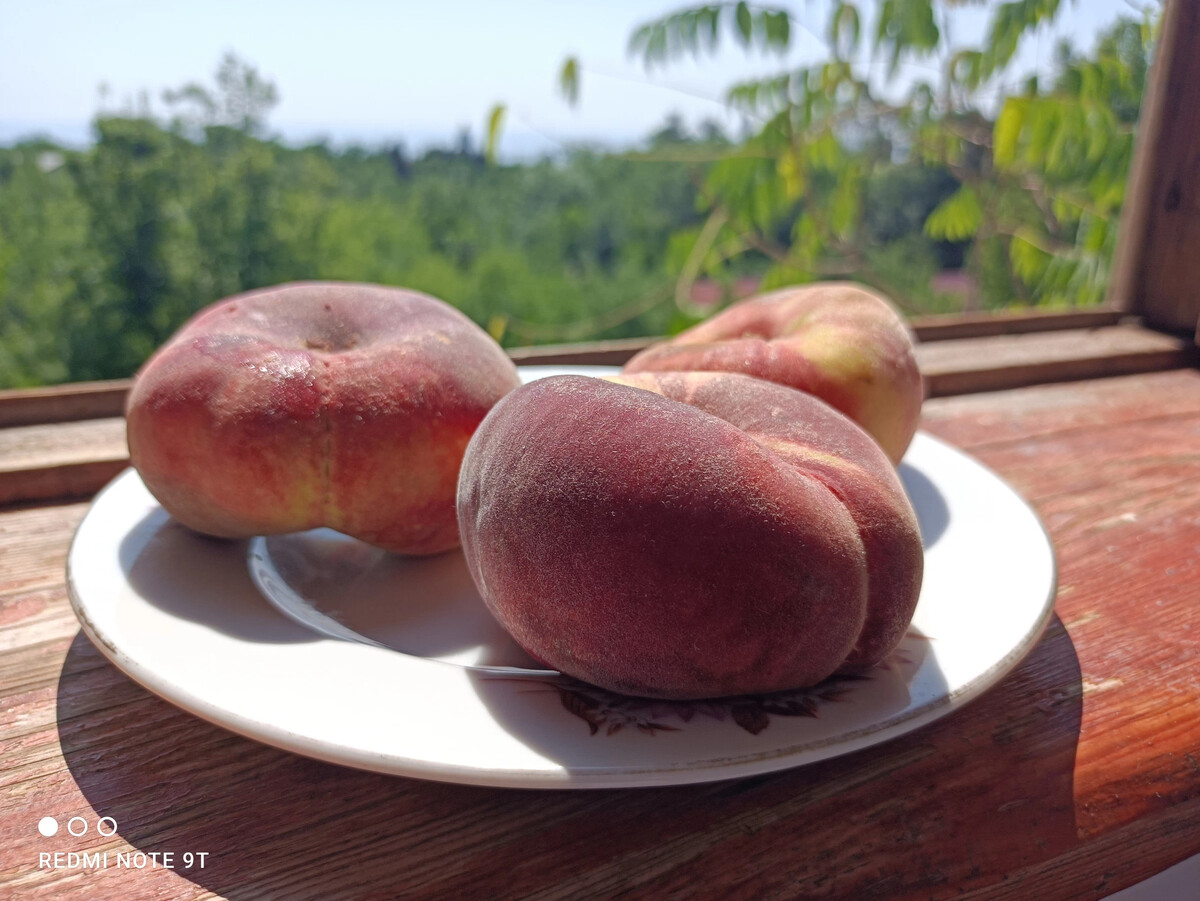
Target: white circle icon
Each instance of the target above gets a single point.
(82, 826)
(47, 826)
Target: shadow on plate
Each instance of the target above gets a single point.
(423, 606)
(933, 515)
(278, 825)
(587, 729)
(201, 579)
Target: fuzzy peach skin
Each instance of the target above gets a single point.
(320, 404)
(846, 345)
(687, 535)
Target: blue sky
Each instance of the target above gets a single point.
(418, 72)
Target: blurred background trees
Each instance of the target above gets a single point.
(936, 189)
(851, 172)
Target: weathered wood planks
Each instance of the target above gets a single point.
(1075, 776)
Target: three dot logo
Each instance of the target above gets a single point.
(77, 826)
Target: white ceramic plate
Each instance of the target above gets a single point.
(180, 614)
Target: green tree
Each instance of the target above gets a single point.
(45, 254)
(1042, 182)
(130, 185)
(241, 99)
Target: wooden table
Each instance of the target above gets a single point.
(1077, 775)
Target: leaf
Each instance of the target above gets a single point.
(494, 127)
(689, 23)
(825, 152)
(1007, 132)
(750, 717)
(745, 24)
(568, 80)
(1094, 234)
(743, 184)
(806, 240)
(744, 97)
(781, 276)
(906, 28)
(794, 174)
(966, 68)
(639, 40)
(689, 31)
(778, 30)
(703, 29)
(497, 326)
(799, 705)
(1028, 260)
(657, 49)
(957, 217)
(1010, 23)
(884, 22)
(585, 707)
(845, 28)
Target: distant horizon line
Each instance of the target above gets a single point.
(515, 143)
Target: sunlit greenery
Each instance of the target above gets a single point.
(104, 251)
(1030, 188)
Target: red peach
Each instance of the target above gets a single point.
(846, 345)
(320, 404)
(687, 535)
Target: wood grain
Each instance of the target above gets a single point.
(59, 460)
(98, 400)
(951, 326)
(73, 459)
(63, 403)
(1074, 777)
(962, 366)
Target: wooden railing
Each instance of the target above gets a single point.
(69, 440)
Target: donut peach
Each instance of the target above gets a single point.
(836, 340)
(322, 404)
(687, 535)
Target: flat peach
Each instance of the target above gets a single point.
(846, 345)
(321, 404)
(687, 535)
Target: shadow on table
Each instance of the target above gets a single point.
(962, 802)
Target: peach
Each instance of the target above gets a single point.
(321, 404)
(846, 345)
(687, 535)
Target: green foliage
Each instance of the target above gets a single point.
(104, 252)
(845, 29)
(906, 28)
(568, 80)
(697, 31)
(1010, 23)
(241, 100)
(956, 218)
(495, 124)
(1027, 200)
(44, 259)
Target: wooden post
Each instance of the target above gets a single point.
(1156, 270)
